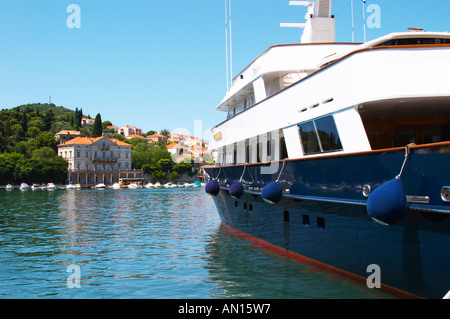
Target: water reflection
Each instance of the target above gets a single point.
(141, 244)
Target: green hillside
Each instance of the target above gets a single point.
(42, 107)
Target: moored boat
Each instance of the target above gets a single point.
(116, 186)
(9, 187)
(24, 187)
(100, 186)
(71, 186)
(197, 184)
(336, 154)
(51, 186)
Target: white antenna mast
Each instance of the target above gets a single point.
(364, 19)
(353, 26)
(231, 48)
(228, 43)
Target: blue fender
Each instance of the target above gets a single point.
(387, 203)
(272, 193)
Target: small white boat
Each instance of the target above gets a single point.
(157, 185)
(51, 186)
(100, 186)
(9, 187)
(188, 185)
(24, 187)
(132, 186)
(71, 186)
(35, 187)
(149, 185)
(166, 185)
(116, 186)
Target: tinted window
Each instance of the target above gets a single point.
(309, 138)
(415, 41)
(323, 129)
(328, 134)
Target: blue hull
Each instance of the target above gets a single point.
(329, 223)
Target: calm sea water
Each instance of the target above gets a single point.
(143, 243)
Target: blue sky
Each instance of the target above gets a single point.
(160, 64)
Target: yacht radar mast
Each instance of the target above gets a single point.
(320, 25)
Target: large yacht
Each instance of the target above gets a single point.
(337, 153)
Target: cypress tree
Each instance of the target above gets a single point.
(24, 122)
(97, 129)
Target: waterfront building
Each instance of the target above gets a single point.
(96, 159)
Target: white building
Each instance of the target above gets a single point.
(130, 130)
(96, 154)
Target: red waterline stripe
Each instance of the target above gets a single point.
(312, 262)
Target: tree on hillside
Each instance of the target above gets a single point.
(165, 132)
(49, 118)
(97, 129)
(77, 119)
(45, 139)
(24, 121)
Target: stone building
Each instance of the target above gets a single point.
(93, 160)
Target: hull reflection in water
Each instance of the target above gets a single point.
(145, 243)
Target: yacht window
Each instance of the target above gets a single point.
(224, 154)
(309, 138)
(403, 137)
(319, 136)
(415, 41)
(283, 149)
(247, 151)
(269, 144)
(328, 134)
(258, 150)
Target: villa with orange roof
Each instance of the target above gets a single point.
(129, 130)
(89, 156)
(157, 137)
